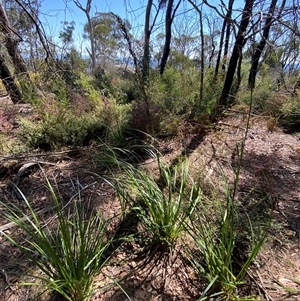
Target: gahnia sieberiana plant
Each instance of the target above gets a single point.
(215, 236)
(216, 241)
(162, 205)
(68, 257)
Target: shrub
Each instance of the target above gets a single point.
(175, 91)
(290, 113)
(87, 88)
(116, 118)
(57, 124)
(59, 127)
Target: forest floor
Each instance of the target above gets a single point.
(270, 173)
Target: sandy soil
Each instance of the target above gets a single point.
(270, 173)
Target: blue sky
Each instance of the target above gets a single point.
(54, 12)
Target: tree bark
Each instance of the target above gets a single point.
(227, 35)
(11, 44)
(147, 34)
(236, 52)
(260, 47)
(226, 20)
(170, 14)
(9, 82)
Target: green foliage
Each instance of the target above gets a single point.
(102, 81)
(68, 258)
(177, 89)
(66, 34)
(107, 36)
(125, 90)
(175, 95)
(216, 242)
(162, 205)
(273, 97)
(179, 61)
(212, 89)
(261, 96)
(116, 118)
(290, 113)
(59, 127)
(172, 96)
(76, 62)
(87, 85)
(57, 124)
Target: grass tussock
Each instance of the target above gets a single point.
(68, 257)
(163, 205)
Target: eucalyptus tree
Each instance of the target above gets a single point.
(23, 18)
(106, 38)
(8, 81)
(11, 39)
(225, 34)
(236, 54)
(148, 28)
(90, 29)
(66, 34)
(37, 34)
(261, 45)
(171, 10)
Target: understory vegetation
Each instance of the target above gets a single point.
(172, 211)
(171, 206)
(109, 114)
(120, 101)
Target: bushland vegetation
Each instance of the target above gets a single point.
(190, 65)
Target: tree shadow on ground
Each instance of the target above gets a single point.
(153, 279)
(269, 181)
(190, 145)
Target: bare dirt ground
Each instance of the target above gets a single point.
(270, 173)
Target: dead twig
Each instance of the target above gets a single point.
(260, 286)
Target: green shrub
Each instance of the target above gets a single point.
(116, 118)
(290, 113)
(260, 98)
(88, 89)
(175, 91)
(127, 91)
(57, 124)
(60, 128)
(212, 89)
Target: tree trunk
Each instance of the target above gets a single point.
(199, 11)
(260, 47)
(239, 73)
(170, 14)
(236, 52)
(227, 19)
(227, 35)
(9, 82)
(147, 33)
(87, 11)
(11, 44)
